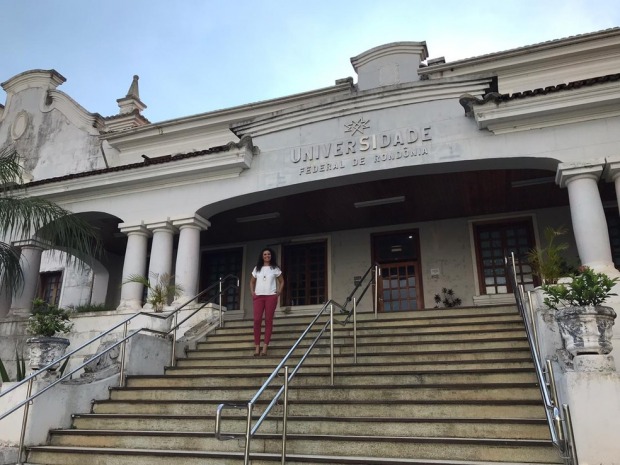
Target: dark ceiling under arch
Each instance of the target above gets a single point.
(426, 198)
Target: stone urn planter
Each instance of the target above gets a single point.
(44, 324)
(44, 350)
(585, 323)
(586, 329)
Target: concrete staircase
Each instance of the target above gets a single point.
(447, 386)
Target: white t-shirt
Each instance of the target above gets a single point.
(266, 280)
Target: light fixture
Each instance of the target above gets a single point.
(533, 182)
(374, 203)
(264, 216)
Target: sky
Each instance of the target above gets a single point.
(196, 56)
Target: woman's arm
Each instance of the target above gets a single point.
(253, 285)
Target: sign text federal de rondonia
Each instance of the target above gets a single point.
(363, 150)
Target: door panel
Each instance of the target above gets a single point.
(398, 288)
(398, 255)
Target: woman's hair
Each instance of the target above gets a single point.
(274, 260)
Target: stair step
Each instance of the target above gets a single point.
(51, 455)
(504, 408)
(308, 367)
(461, 391)
(368, 329)
(512, 428)
(322, 347)
(364, 357)
(516, 375)
(405, 338)
(374, 446)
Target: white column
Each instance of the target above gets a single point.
(135, 263)
(161, 250)
(30, 263)
(188, 256)
(5, 301)
(588, 216)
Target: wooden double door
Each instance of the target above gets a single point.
(399, 286)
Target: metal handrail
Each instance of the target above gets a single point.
(251, 431)
(561, 428)
(30, 379)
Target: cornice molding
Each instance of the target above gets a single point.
(553, 109)
(220, 165)
(375, 99)
(546, 50)
(180, 128)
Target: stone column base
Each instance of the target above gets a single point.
(594, 363)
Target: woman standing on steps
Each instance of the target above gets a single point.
(266, 284)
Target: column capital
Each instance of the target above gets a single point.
(195, 221)
(134, 229)
(30, 244)
(568, 172)
(612, 168)
(165, 225)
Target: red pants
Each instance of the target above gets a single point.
(264, 304)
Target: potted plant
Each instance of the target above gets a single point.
(448, 298)
(161, 289)
(547, 263)
(585, 324)
(44, 324)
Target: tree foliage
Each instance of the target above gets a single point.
(26, 217)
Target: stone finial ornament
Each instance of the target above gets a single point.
(131, 102)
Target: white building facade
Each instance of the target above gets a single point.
(433, 170)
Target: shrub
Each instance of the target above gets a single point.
(447, 298)
(48, 320)
(586, 288)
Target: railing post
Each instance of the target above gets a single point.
(570, 436)
(530, 304)
(285, 415)
(173, 350)
(22, 435)
(552, 385)
(375, 302)
(248, 436)
(220, 301)
(354, 331)
(331, 344)
(123, 351)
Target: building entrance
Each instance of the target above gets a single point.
(397, 253)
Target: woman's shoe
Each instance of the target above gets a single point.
(264, 352)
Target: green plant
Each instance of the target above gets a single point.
(20, 369)
(586, 288)
(547, 262)
(48, 320)
(161, 289)
(447, 298)
(21, 214)
(90, 308)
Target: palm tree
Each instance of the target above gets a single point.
(23, 217)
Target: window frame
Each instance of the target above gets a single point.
(286, 298)
(503, 224)
(45, 279)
